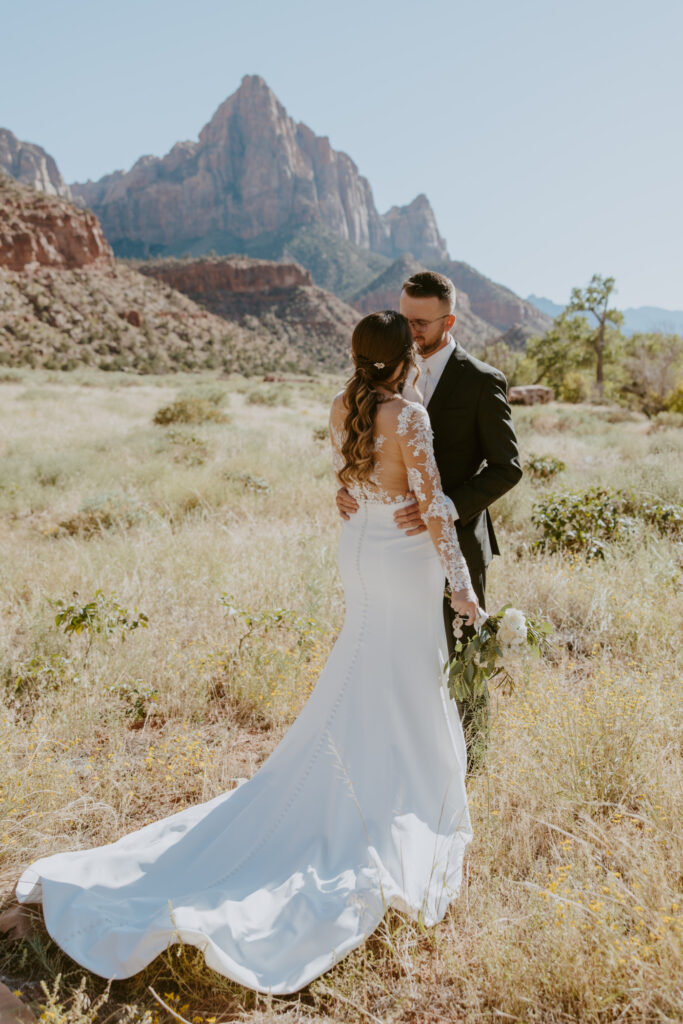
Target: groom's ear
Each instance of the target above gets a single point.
(450, 320)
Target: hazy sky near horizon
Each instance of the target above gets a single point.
(546, 135)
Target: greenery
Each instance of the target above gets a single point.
(101, 617)
(137, 697)
(189, 410)
(543, 467)
(644, 371)
(585, 521)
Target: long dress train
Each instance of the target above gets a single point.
(361, 806)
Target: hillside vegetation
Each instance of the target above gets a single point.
(219, 509)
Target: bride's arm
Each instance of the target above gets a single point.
(414, 434)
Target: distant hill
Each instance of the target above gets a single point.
(65, 301)
(640, 319)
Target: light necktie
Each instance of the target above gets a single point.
(427, 382)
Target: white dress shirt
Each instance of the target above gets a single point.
(431, 369)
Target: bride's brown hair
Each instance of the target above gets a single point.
(379, 344)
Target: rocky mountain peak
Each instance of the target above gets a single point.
(413, 229)
(31, 165)
(253, 173)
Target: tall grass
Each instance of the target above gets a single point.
(570, 908)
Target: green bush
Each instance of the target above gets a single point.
(189, 410)
(674, 400)
(542, 467)
(584, 522)
(574, 387)
(269, 396)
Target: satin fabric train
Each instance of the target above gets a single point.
(361, 806)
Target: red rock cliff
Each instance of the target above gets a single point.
(38, 230)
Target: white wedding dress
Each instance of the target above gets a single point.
(360, 807)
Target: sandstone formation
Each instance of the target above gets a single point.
(413, 229)
(234, 276)
(253, 172)
(530, 394)
(280, 297)
(37, 230)
(31, 165)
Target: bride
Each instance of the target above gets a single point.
(362, 804)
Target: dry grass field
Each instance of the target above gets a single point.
(571, 903)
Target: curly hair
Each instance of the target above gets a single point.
(380, 343)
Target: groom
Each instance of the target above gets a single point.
(474, 445)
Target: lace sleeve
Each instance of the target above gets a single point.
(415, 439)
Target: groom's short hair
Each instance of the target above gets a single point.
(427, 284)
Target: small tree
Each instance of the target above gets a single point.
(576, 341)
(564, 347)
(595, 300)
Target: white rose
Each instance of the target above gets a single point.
(513, 630)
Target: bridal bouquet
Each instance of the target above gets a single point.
(499, 639)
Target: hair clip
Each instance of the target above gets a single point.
(380, 366)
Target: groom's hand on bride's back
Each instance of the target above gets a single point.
(409, 519)
(346, 504)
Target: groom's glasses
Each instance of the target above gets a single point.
(423, 324)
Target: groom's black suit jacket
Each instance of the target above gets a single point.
(475, 448)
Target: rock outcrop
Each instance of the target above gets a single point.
(38, 230)
(31, 165)
(413, 229)
(253, 172)
(530, 394)
(281, 298)
(238, 275)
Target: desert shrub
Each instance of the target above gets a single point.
(674, 400)
(542, 467)
(189, 410)
(104, 513)
(208, 392)
(321, 434)
(100, 618)
(269, 396)
(137, 697)
(585, 521)
(574, 387)
(26, 680)
(188, 448)
(270, 662)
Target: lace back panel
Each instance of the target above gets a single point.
(404, 462)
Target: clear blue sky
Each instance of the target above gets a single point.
(546, 133)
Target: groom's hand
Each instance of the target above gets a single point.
(346, 504)
(409, 519)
